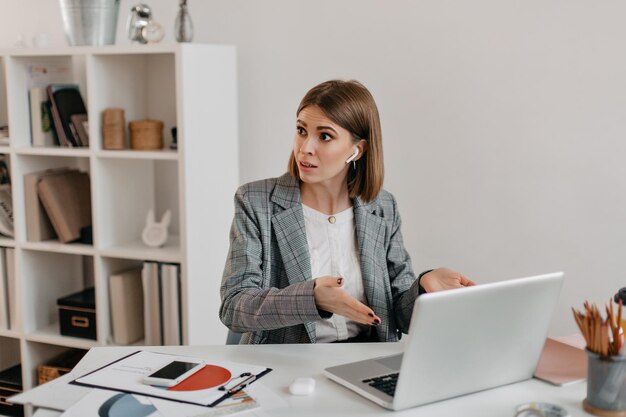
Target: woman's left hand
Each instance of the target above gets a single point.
(444, 279)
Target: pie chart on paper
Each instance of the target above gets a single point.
(210, 376)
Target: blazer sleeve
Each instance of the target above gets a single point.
(404, 283)
(247, 304)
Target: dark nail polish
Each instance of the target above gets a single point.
(339, 281)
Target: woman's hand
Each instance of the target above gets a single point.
(444, 279)
(329, 296)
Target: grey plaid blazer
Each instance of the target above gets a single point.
(267, 287)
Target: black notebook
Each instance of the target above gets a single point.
(66, 101)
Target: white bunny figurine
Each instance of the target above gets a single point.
(155, 234)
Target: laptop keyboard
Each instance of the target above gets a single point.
(385, 383)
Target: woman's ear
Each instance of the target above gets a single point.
(362, 147)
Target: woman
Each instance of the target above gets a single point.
(316, 255)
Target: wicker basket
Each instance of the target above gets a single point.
(146, 134)
(59, 365)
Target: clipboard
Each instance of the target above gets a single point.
(204, 380)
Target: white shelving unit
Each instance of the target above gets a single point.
(190, 86)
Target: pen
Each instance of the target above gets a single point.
(242, 385)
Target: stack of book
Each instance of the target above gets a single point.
(58, 116)
(58, 204)
(145, 303)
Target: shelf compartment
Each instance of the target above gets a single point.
(26, 72)
(46, 277)
(107, 267)
(133, 187)
(27, 164)
(40, 353)
(9, 352)
(144, 85)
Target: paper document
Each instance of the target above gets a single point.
(108, 403)
(202, 388)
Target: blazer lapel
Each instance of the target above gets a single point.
(288, 225)
(370, 233)
(291, 236)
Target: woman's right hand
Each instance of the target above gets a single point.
(331, 297)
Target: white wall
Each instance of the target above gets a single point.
(504, 121)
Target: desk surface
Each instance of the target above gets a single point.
(331, 399)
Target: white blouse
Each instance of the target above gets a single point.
(333, 249)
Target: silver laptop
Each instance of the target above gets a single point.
(459, 342)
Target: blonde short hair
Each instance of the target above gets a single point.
(350, 105)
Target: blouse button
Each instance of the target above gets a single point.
(332, 220)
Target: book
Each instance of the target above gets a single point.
(4, 299)
(561, 363)
(9, 260)
(80, 128)
(38, 225)
(40, 118)
(65, 101)
(126, 304)
(66, 198)
(170, 285)
(153, 330)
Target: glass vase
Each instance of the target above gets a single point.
(183, 27)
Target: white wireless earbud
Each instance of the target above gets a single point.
(354, 155)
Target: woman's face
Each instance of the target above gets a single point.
(321, 148)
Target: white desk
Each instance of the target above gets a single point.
(331, 399)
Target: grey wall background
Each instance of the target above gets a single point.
(503, 121)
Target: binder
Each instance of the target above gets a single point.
(153, 330)
(9, 260)
(170, 284)
(4, 299)
(126, 303)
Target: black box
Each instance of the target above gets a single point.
(77, 314)
(10, 385)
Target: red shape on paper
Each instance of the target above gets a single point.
(210, 376)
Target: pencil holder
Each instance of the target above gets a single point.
(146, 134)
(606, 385)
(113, 129)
